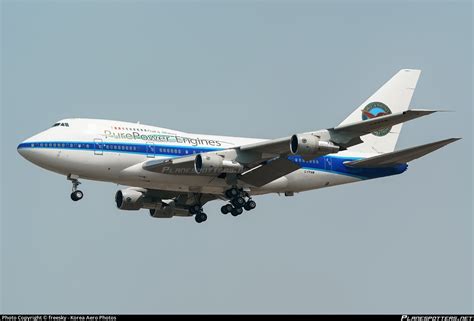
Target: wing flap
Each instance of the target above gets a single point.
(400, 157)
(269, 172)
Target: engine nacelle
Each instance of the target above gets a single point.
(163, 212)
(212, 164)
(129, 199)
(168, 209)
(310, 145)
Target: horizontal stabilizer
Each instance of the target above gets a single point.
(400, 157)
(348, 135)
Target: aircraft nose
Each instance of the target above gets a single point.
(25, 148)
(19, 149)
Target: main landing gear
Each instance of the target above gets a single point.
(237, 202)
(76, 194)
(199, 215)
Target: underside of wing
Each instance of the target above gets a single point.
(173, 166)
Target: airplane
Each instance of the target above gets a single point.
(173, 173)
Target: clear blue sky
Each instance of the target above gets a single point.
(259, 69)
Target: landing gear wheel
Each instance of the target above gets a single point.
(236, 211)
(250, 205)
(200, 217)
(238, 202)
(152, 212)
(226, 209)
(77, 195)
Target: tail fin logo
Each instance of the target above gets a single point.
(377, 109)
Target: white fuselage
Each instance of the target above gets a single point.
(112, 151)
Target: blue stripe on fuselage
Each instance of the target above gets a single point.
(335, 164)
(329, 163)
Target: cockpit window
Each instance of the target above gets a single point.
(61, 124)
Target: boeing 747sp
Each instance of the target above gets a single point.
(173, 173)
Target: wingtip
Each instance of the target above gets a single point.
(450, 140)
(411, 70)
(444, 110)
(424, 111)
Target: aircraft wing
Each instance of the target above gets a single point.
(340, 135)
(266, 161)
(273, 146)
(251, 156)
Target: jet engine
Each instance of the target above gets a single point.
(129, 199)
(212, 164)
(135, 198)
(310, 145)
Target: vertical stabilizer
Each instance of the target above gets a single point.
(394, 96)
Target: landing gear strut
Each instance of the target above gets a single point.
(76, 194)
(199, 215)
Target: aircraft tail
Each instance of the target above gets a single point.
(393, 97)
(400, 157)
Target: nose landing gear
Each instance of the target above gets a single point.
(76, 194)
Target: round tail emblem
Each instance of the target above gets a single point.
(376, 109)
